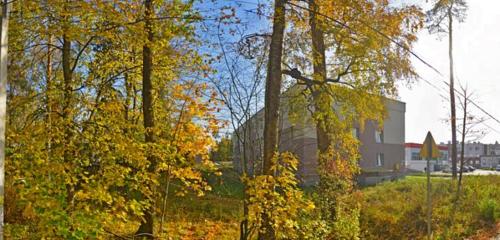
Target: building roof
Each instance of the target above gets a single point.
(418, 145)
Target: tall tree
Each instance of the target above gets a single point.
(101, 154)
(436, 17)
(146, 228)
(364, 68)
(272, 103)
(322, 101)
(4, 24)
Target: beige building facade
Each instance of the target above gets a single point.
(382, 150)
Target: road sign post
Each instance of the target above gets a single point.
(429, 150)
(429, 195)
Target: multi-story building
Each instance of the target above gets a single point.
(381, 150)
(413, 161)
(489, 161)
(471, 149)
(493, 149)
(478, 154)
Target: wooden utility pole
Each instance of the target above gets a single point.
(3, 99)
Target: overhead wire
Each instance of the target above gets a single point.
(406, 48)
(402, 47)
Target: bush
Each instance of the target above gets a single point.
(397, 210)
(489, 210)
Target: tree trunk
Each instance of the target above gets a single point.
(462, 151)
(146, 228)
(452, 99)
(49, 100)
(322, 103)
(464, 122)
(66, 109)
(128, 93)
(272, 102)
(244, 223)
(3, 99)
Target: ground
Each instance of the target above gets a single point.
(474, 173)
(397, 206)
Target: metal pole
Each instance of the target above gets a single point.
(3, 100)
(429, 201)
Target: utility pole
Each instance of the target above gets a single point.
(3, 100)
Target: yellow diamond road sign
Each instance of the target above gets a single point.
(429, 152)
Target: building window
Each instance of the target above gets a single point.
(415, 156)
(380, 159)
(379, 136)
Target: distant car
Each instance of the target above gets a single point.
(471, 168)
(498, 168)
(448, 169)
(468, 169)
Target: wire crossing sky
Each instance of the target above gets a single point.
(476, 47)
(476, 51)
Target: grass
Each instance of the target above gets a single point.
(397, 210)
(391, 210)
(214, 216)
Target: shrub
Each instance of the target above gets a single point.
(281, 200)
(489, 210)
(397, 210)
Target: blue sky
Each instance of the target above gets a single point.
(477, 49)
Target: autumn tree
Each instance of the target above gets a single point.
(367, 43)
(223, 151)
(272, 103)
(4, 24)
(95, 167)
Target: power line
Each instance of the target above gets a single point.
(399, 45)
(447, 98)
(373, 29)
(435, 87)
(475, 104)
(342, 24)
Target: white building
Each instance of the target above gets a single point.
(489, 161)
(413, 161)
(472, 149)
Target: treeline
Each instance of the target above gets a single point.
(110, 102)
(105, 109)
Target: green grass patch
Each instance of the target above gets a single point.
(397, 210)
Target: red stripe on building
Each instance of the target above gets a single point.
(418, 145)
